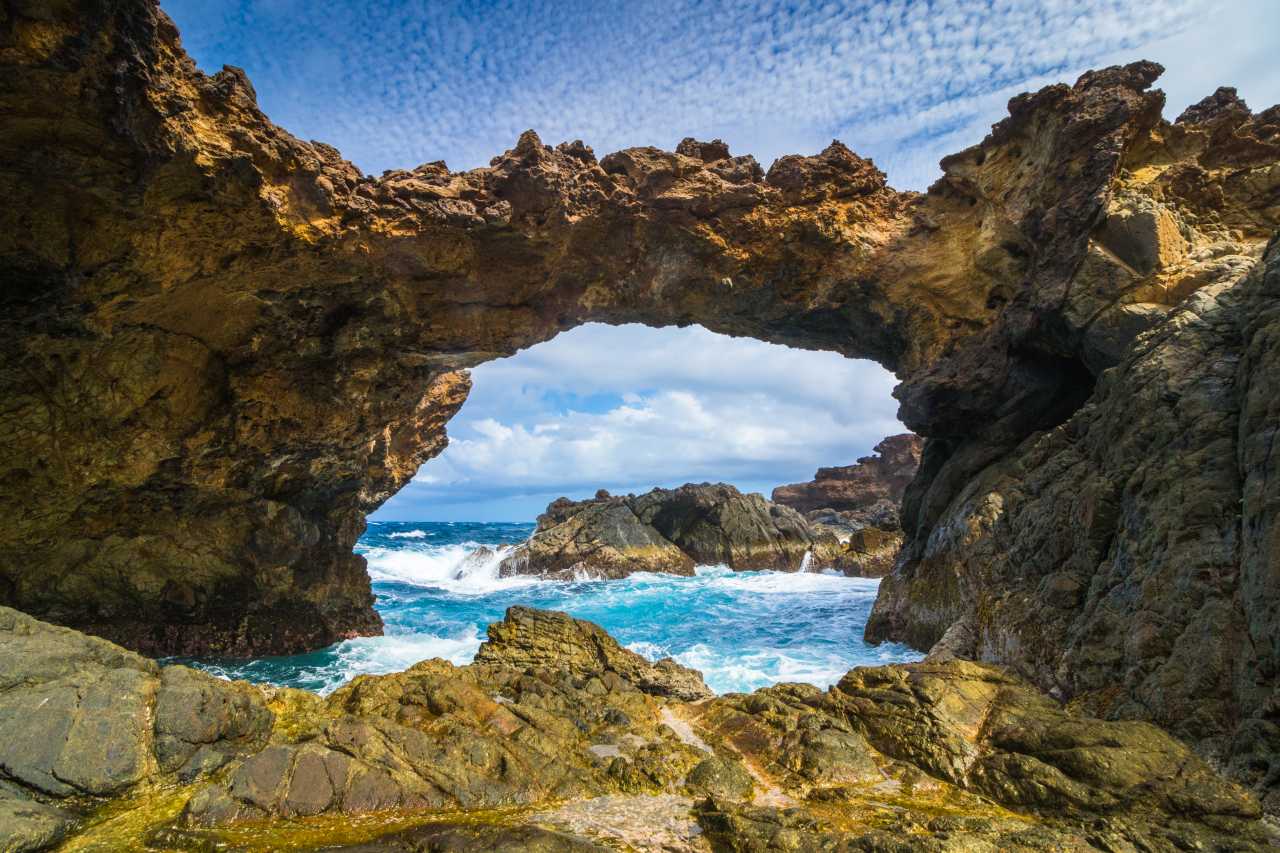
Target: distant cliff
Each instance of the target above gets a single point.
(860, 505)
(860, 487)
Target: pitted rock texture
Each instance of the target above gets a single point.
(546, 639)
(221, 347)
(1119, 559)
(554, 739)
(665, 530)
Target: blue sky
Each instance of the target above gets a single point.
(394, 83)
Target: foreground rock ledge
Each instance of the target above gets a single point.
(222, 346)
(558, 739)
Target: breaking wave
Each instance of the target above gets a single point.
(437, 588)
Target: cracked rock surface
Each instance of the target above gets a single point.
(221, 347)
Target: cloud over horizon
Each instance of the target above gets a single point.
(628, 408)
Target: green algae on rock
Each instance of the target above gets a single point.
(222, 346)
(558, 739)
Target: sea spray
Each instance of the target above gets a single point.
(437, 592)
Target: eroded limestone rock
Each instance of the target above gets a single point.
(221, 347)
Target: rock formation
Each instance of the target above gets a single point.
(869, 490)
(557, 739)
(665, 530)
(860, 505)
(221, 347)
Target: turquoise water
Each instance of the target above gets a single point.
(743, 630)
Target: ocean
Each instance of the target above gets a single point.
(743, 630)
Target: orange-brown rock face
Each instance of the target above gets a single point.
(858, 488)
(860, 505)
(223, 346)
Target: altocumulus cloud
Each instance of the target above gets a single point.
(394, 83)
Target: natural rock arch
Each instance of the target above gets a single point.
(224, 346)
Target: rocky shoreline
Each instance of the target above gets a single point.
(668, 530)
(222, 347)
(861, 505)
(558, 739)
(850, 522)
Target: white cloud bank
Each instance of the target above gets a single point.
(628, 408)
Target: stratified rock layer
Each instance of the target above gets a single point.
(665, 530)
(220, 347)
(865, 489)
(557, 739)
(860, 505)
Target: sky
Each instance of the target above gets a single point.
(395, 83)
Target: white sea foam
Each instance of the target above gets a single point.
(409, 534)
(463, 568)
(791, 583)
(727, 672)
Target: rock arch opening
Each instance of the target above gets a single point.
(628, 408)
(217, 323)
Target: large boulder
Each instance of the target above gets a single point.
(602, 537)
(82, 719)
(715, 524)
(664, 530)
(546, 639)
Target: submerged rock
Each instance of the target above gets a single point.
(663, 530)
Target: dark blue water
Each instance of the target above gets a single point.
(743, 630)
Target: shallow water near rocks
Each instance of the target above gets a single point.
(743, 630)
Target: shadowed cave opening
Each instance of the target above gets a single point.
(625, 409)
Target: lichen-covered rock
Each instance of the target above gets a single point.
(1106, 559)
(663, 530)
(546, 639)
(555, 739)
(552, 709)
(83, 719)
(26, 824)
(719, 777)
(980, 737)
(476, 838)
